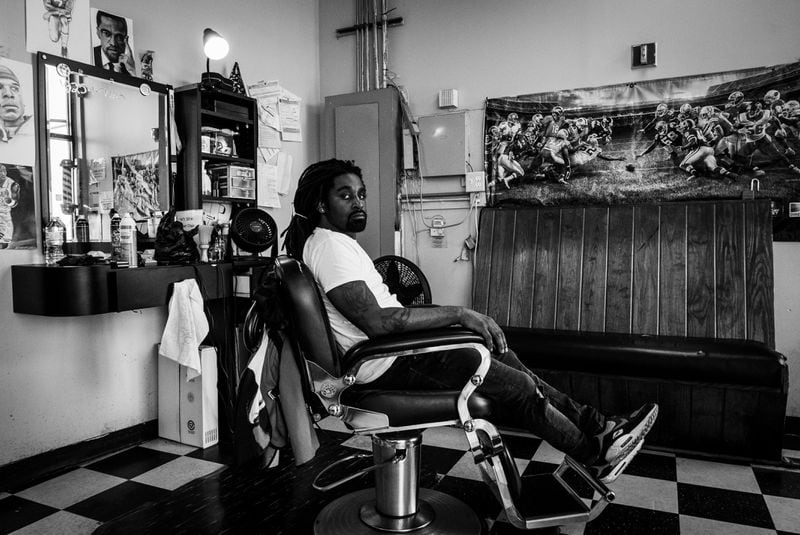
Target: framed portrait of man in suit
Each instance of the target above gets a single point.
(112, 42)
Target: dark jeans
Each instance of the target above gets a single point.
(520, 398)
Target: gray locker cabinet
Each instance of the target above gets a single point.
(365, 127)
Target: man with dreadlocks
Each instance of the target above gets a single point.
(330, 210)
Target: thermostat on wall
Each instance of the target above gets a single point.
(643, 55)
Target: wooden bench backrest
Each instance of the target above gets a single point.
(685, 269)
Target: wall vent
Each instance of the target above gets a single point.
(448, 98)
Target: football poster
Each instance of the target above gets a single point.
(136, 184)
(716, 136)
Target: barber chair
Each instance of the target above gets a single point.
(396, 419)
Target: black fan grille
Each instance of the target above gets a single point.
(404, 279)
(253, 230)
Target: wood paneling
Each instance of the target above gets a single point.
(502, 265)
(620, 258)
(707, 415)
(644, 312)
(730, 271)
(595, 262)
(693, 269)
(569, 272)
(546, 272)
(483, 262)
(700, 269)
(672, 275)
(522, 279)
(759, 293)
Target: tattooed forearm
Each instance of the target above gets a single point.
(357, 303)
(396, 320)
(358, 299)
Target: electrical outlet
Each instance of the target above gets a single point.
(475, 181)
(437, 232)
(477, 198)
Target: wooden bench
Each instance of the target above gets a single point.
(624, 304)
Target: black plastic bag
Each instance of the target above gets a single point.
(173, 244)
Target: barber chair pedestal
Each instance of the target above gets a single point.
(397, 504)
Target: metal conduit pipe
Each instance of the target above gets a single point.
(375, 41)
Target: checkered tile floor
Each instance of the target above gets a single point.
(162, 487)
(82, 499)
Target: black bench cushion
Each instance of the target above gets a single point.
(743, 362)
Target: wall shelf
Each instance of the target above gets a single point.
(225, 117)
(197, 108)
(229, 159)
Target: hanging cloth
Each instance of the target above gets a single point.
(186, 327)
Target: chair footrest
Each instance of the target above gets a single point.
(548, 496)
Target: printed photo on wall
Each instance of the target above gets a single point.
(112, 42)
(136, 185)
(17, 125)
(724, 135)
(58, 27)
(17, 212)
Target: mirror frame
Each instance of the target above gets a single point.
(43, 60)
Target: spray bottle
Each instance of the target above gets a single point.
(127, 239)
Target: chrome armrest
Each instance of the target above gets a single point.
(329, 389)
(406, 344)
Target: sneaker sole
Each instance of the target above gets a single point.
(623, 464)
(636, 435)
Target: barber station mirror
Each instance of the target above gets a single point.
(103, 144)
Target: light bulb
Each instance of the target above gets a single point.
(214, 45)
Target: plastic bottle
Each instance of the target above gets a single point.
(127, 239)
(206, 184)
(156, 221)
(216, 252)
(82, 229)
(54, 235)
(115, 244)
(223, 250)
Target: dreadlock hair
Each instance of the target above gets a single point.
(313, 187)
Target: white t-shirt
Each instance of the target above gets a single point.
(334, 259)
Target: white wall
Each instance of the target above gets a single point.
(511, 47)
(65, 380)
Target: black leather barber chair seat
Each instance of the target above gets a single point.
(396, 420)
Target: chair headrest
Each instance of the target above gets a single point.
(309, 324)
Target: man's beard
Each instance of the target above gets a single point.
(356, 225)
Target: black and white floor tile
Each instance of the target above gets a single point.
(165, 487)
(80, 500)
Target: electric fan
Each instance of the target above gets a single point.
(404, 279)
(254, 231)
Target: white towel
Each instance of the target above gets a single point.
(186, 327)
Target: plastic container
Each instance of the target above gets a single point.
(82, 229)
(225, 243)
(115, 243)
(156, 221)
(54, 235)
(216, 252)
(127, 241)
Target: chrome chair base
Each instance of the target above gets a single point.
(438, 513)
